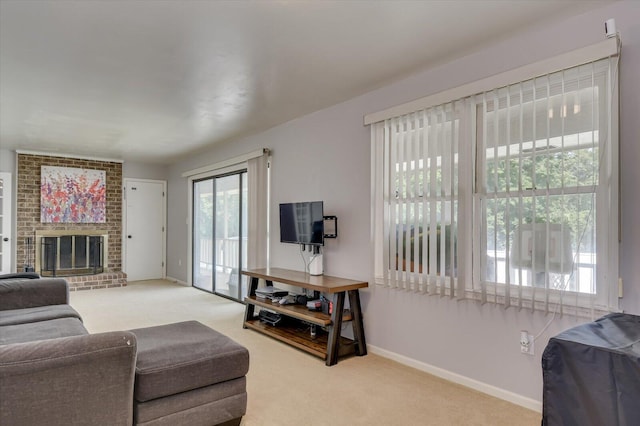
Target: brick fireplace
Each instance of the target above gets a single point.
(29, 225)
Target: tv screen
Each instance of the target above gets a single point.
(302, 223)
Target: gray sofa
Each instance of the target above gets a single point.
(52, 371)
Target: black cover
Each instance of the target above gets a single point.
(591, 374)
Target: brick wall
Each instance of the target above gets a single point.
(28, 199)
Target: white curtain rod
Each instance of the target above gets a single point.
(603, 49)
(226, 163)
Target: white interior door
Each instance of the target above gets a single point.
(144, 233)
(5, 223)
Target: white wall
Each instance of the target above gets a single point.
(144, 171)
(326, 156)
(8, 165)
(7, 161)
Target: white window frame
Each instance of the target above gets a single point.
(230, 165)
(607, 193)
(603, 191)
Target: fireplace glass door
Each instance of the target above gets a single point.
(220, 234)
(67, 255)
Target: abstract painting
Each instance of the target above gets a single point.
(72, 195)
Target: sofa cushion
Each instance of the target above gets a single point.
(28, 293)
(179, 357)
(210, 405)
(20, 275)
(39, 313)
(42, 330)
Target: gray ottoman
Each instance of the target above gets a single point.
(189, 374)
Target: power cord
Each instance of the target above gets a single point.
(312, 257)
(304, 261)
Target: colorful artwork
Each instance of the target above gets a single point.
(71, 195)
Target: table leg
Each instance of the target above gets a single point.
(250, 307)
(358, 326)
(333, 341)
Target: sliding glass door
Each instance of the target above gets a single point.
(220, 234)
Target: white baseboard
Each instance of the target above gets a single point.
(511, 397)
(177, 281)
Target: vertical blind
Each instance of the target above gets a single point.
(258, 211)
(542, 148)
(420, 155)
(506, 196)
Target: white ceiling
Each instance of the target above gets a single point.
(152, 81)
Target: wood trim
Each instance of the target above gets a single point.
(296, 311)
(68, 156)
(322, 283)
(315, 346)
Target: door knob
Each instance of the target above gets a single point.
(128, 236)
(5, 239)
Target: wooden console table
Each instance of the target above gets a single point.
(330, 346)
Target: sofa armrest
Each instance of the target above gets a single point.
(29, 293)
(71, 380)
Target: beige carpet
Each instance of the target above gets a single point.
(286, 386)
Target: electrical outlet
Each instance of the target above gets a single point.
(526, 342)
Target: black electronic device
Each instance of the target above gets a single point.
(269, 317)
(331, 227)
(270, 292)
(302, 223)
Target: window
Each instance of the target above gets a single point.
(421, 199)
(220, 234)
(542, 149)
(506, 195)
(228, 226)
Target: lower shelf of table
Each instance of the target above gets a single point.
(302, 339)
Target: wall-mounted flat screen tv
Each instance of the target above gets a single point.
(302, 223)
